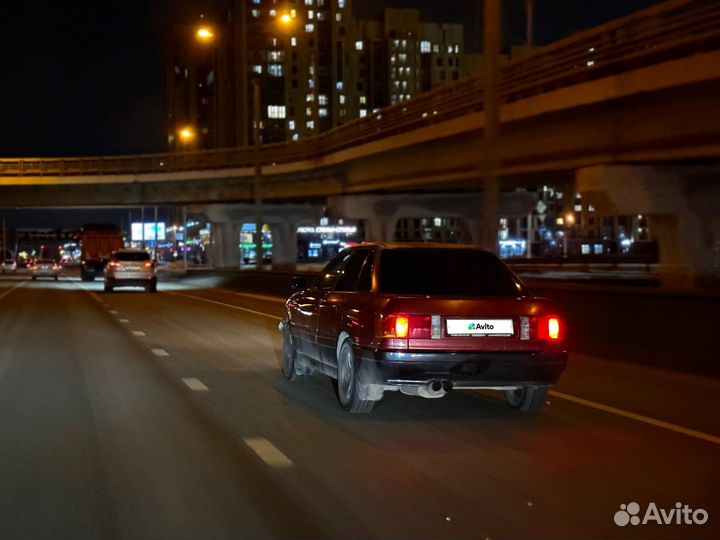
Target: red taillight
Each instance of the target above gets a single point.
(149, 264)
(403, 326)
(549, 328)
(115, 264)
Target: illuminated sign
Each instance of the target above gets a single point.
(150, 231)
(328, 229)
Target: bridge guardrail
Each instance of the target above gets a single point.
(665, 32)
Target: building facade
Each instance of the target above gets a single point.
(315, 66)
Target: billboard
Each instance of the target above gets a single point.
(153, 231)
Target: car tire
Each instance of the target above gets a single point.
(348, 384)
(289, 358)
(527, 398)
(152, 287)
(34, 278)
(56, 278)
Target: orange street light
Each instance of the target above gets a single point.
(286, 19)
(570, 218)
(204, 34)
(186, 134)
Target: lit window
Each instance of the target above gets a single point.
(436, 48)
(309, 98)
(272, 12)
(310, 124)
(339, 85)
(276, 111)
(342, 99)
(257, 68)
(457, 49)
(293, 42)
(358, 45)
(308, 2)
(343, 113)
(276, 56)
(341, 4)
(425, 46)
(275, 70)
(323, 99)
(363, 113)
(256, 13)
(311, 14)
(291, 124)
(323, 112)
(295, 137)
(338, 17)
(363, 100)
(309, 27)
(450, 49)
(308, 111)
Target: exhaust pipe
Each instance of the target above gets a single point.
(433, 389)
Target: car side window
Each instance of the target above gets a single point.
(350, 273)
(364, 282)
(330, 273)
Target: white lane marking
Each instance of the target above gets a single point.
(195, 384)
(263, 297)
(11, 289)
(228, 305)
(113, 312)
(124, 321)
(592, 404)
(639, 418)
(157, 351)
(138, 333)
(268, 452)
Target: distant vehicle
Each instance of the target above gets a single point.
(98, 243)
(9, 266)
(422, 319)
(45, 268)
(130, 268)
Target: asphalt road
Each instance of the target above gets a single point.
(131, 415)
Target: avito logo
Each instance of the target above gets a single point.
(483, 326)
(629, 514)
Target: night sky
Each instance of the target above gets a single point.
(85, 77)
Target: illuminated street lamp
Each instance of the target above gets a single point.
(186, 134)
(204, 34)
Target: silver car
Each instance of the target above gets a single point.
(130, 268)
(45, 268)
(9, 266)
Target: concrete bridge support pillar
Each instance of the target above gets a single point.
(285, 249)
(677, 202)
(380, 229)
(225, 245)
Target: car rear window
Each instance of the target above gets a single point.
(132, 256)
(446, 272)
(46, 261)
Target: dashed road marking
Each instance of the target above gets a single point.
(195, 384)
(157, 351)
(114, 312)
(268, 452)
(639, 417)
(124, 321)
(231, 306)
(139, 333)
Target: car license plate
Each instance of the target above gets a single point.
(480, 327)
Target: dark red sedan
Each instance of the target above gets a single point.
(423, 319)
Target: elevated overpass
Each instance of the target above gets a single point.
(635, 100)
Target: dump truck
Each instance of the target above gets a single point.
(98, 242)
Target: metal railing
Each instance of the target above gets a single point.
(669, 31)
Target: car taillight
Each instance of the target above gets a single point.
(114, 264)
(404, 326)
(55, 266)
(549, 328)
(149, 264)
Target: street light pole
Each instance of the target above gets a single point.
(530, 22)
(491, 182)
(257, 181)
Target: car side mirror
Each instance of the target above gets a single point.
(298, 283)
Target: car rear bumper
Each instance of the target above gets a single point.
(463, 370)
(131, 281)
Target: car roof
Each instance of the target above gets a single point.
(130, 250)
(420, 245)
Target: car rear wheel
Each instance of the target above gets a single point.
(152, 287)
(348, 384)
(288, 368)
(527, 398)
